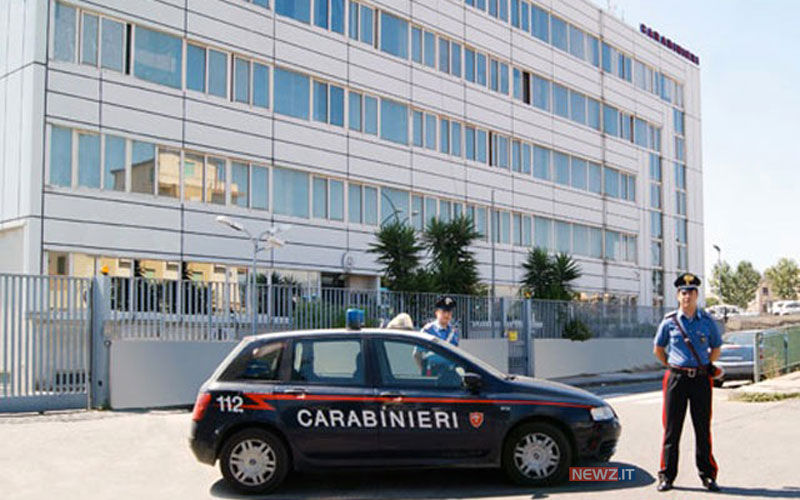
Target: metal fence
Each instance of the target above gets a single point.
(144, 308)
(777, 352)
(45, 344)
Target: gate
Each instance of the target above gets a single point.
(45, 325)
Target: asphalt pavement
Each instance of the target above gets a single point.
(145, 455)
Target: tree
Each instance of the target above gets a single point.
(453, 267)
(722, 279)
(745, 282)
(784, 278)
(399, 252)
(549, 277)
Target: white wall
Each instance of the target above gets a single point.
(148, 374)
(493, 351)
(564, 358)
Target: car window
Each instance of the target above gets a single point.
(328, 361)
(408, 364)
(259, 361)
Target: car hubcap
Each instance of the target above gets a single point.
(253, 462)
(537, 455)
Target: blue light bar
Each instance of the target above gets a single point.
(355, 319)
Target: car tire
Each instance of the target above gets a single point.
(536, 454)
(254, 461)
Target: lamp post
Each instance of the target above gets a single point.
(721, 296)
(272, 241)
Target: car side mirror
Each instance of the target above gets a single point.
(473, 382)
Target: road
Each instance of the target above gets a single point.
(120, 455)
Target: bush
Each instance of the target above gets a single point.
(576, 330)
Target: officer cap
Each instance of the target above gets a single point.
(445, 303)
(687, 281)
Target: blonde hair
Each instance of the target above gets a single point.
(401, 322)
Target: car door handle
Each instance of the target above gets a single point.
(300, 393)
(393, 397)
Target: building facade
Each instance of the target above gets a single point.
(129, 126)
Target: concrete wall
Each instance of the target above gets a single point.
(148, 374)
(564, 358)
(493, 351)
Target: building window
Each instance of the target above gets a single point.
(563, 237)
(90, 28)
(61, 156)
(215, 181)
(158, 57)
(217, 73)
(455, 139)
(168, 169)
(444, 55)
(193, 177)
(114, 163)
(354, 111)
(394, 121)
(355, 213)
(595, 178)
(542, 229)
(143, 165)
(89, 160)
(195, 68)
(593, 114)
(394, 35)
(561, 168)
(320, 198)
(370, 205)
(610, 121)
(560, 101)
(577, 107)
(290, 196)
(430, 49)
(444, 135)
(296, 9)
(580, 240)
(259, 197)
(559, 28)
(416, 44)
(65, 33)
(579, 173)
(611, 182)
(577, 45)
(455, 59)
(291, 93)
(240, 184)
(541, 163)
(241, 80)
(481, 69)
(541, 93)
(394, 206)
(371, 115)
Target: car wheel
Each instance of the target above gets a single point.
(537, 454)
(254, 461)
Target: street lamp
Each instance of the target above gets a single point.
(721, 296)
(271, 242)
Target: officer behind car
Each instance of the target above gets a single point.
(429, 362)
(688, 380)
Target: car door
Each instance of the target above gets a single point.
(427, 412)
(328, 404)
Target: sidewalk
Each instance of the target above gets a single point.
(775, 388)
(612, 378)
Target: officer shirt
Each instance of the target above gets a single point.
(435, 329)
(702, 331)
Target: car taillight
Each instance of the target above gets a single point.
(200, 406)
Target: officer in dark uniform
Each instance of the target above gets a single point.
(688, 380)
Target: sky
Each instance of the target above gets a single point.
(750, 97)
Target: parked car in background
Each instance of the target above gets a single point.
(791, 307)
(777, 307)
(719, 311)
(738, 349)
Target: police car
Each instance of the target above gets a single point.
(387, 398)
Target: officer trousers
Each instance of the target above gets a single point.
(679, 390)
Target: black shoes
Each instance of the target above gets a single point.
(664, 485)
(710, 484)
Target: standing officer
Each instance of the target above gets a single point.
(694, 341)
(441, 327)
(430, 362)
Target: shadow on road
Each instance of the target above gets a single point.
(785, 492)
(427, 483)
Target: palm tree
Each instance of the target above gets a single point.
(398, 251)
(453, 267)
(549, 277)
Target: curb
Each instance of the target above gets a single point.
(618, 380)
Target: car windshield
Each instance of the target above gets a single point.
(741, 338)
(473, 359)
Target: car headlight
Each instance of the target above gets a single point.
(602, 413)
